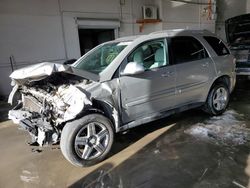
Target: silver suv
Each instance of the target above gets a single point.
(119, 85)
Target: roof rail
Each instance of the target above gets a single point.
(201, 31)
(168, 30)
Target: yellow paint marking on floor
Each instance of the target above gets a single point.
(125, 154)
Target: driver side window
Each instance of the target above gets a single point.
(150, 54)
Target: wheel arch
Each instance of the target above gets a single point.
(106, 109)
(221, 79)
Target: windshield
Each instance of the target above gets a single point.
(97, 60)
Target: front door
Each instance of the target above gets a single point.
(152, 91)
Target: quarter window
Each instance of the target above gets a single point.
(217, 45)
(187, 49)
(150, 54)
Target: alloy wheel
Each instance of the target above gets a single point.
(220, 98)
(91, 141)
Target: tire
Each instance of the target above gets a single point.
(217, 107)
(88, 140)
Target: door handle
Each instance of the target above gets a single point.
(205, 64)
(167, 74)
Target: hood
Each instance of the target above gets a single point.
(43, 70)
(238, 30)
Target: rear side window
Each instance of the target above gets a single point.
(217, 45)
(186, 49)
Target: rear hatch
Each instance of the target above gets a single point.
(238, 38)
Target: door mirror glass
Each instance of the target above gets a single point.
(133, 68)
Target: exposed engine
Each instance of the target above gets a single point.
(47, 104)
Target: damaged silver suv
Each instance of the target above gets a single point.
(119, 85)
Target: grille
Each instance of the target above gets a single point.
(31, 104)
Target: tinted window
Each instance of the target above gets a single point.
(217, 45)
(150, 54)
(187, 49)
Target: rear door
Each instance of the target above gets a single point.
(193, 69)
(152, 91)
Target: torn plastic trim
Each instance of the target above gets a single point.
(12, 94)
(114, 114)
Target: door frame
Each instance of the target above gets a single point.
(162, 70)
(99, 24)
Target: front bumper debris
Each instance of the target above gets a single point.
(40, 130)
(18, 115)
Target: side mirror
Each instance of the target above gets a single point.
(132, 68)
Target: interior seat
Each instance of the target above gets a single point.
(159, 59)
(138, 57)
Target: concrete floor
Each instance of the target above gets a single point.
(185, 150)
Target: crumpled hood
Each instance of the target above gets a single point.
(38, 71)
(42, 70)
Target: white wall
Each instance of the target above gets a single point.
(47, 30)
(31, 32)
(185, 15)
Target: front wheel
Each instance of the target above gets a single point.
(88, 140)
(217, 100)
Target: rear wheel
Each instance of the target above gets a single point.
(217, 100)
(88, 140)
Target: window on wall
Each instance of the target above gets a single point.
(151, 54)
(217, 45)
(186, 49)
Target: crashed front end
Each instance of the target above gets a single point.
(47, 96)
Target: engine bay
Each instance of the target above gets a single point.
(43, 106)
